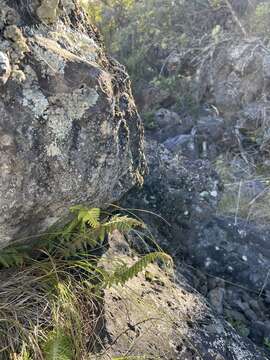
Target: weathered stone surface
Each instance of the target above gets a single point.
(156, 318)
(225, 262)
(239, 252)
(235, 78)
(69, 129)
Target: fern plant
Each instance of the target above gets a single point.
(87, 230)
(68, 289)
(124, 273)
(13, 256)
(58, 346)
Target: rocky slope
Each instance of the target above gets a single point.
(209, 179)
(69, 130)
(158, 316)
(70, 134)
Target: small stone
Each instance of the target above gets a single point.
(204, 194)
(216, 298)
(214, 193)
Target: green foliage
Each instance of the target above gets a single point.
(13, 256)
(143, 34)
(267, 343)
(240, 327)
(86, 230)
(58, 346)
(149, 120)
(55, 311)
(87, 216)
(124, 273)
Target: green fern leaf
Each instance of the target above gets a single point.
(13, 256)
(124, 273)
(58, 346)
(90, 217)
(122, 224)
(87, 231)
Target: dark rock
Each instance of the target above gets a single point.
(259, 332)
(216, 298)
(240, 252)
(267, 296)
(209, 132)
(244, 307)
(183, 145)
(170, 124)
(235, 66)
(236, 81)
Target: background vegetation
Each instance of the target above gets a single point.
(142, 33)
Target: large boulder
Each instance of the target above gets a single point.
(235, 78)
(235, 75)
(69, 129)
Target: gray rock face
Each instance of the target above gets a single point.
(229, 264)
(184, 191)
(238, 74)
(163, 319)
(239, 252)
(69, 130)
(235, 78)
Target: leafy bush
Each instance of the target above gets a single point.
(143, 34)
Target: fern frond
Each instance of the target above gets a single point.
(90, 217)
(93, 234)
(13, 256)
(58, 346)
(124, 273)
(121, 223)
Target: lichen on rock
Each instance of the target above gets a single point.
(5, 68)
(68, 109)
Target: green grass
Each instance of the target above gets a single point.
(50, 305)
(236, 200)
